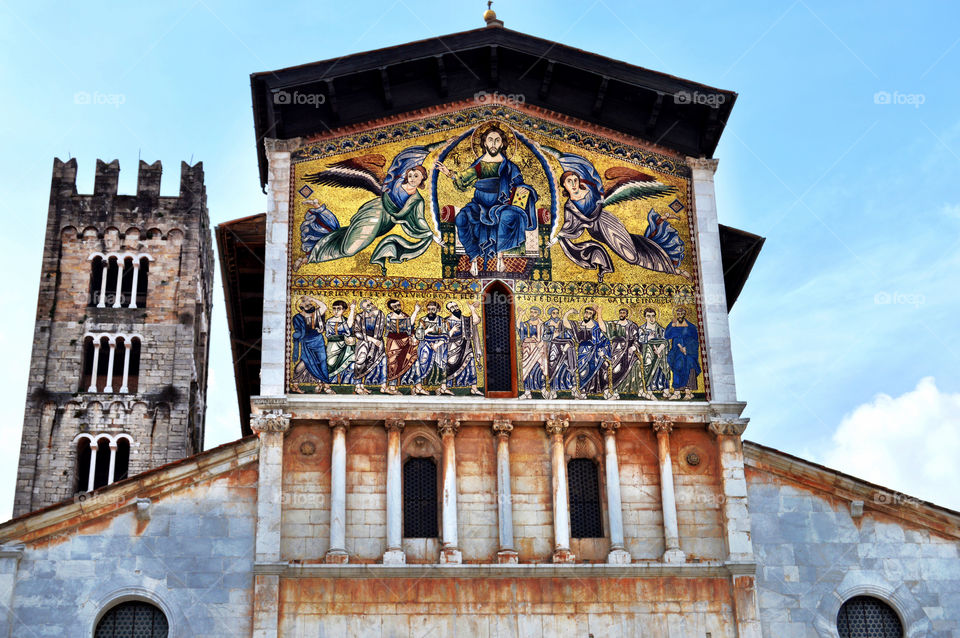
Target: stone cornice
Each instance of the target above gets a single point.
(703, 164)
(272, 421)
(711, 569)
(728, 426)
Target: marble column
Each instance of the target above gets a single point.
(618, 552)
(102, 301)
(133, 286)
(508, 553)
(124, 385)
(94, 445)
(96, 365)
(110, 358)
(394, 554)
(561, 498)
(337, 553)
(449, 551)
(120, 267)
(733, 482)
(270, 427)
(671, 532)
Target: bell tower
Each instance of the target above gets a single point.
(118, 374)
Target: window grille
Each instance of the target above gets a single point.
(133, 620)
(497, 339)
(867, 617)
(420, 505)
(586, 517)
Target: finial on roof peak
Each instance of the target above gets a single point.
(490, 16)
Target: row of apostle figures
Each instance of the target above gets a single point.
(577, 352)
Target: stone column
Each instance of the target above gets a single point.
(337, 553)
(113, 462)
(133, 286)
(561, 498)
(124, 385)
(273, 364)
(449, 551)
(671, 532)
(270, 427)
(507, 554)
(102, 301)
(736, 518)
(94, 444)
(108, 387)
(120, 267)
(618, 552)
(394, 554)
(96, 365)
(716, 326)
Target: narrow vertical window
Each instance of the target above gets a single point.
(96, 280)
(113, 273)
(121, 466)
(83, 464)
(586, 516)
(141, 282)
(86, 373)
(126, 282)
(420, 499)
(103, 363)
(101, 472)
(499, 341)
(133, 374)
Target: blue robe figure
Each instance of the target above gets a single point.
(490, 223)
(310, 349)
(560, 360)
(593, 351)
(684, 355)
(533, 356)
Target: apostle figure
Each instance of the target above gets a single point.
(401, 344)
(653, 355)
(503, 207)
(369, 364)
(309, 352)
(463, 346)
(340, 342)
(431, 365)
(593, 353)
(561, 353)
(624, 338)
(684, 355)
(533, 354)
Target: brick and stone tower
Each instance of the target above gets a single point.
(118, 375)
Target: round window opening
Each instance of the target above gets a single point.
(867, 617)
(134, 618)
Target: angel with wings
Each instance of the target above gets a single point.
(659, 248)
(397, 202)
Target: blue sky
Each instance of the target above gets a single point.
(845, 342)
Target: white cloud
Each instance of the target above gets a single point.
(909, 444)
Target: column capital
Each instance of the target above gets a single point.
(703, 164)
(557, 426)
(394, 425)
(273, 145)
(727, 426)
(339, 422)
(662, 424)
(609, 428)
(448, 426)
(502, 427)
(273, 421)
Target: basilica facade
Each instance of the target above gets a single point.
(483, 363)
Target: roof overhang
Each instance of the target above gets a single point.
(686, 117)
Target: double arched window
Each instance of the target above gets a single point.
(118, 281)
(133, 618)
(101, 460)
(111, 363)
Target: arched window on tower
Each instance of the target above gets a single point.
(421, 505)
(126, 281)
(83, 465)
(499, 341)
(133, 374)
(586, 514)
(102, 460)
(110, 293)
(140, 283)
(121, 464)
(133, 618)
(868, 617)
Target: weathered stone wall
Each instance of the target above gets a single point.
(190, 552)
(511, 606)
(165, 416)
(814, 553)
